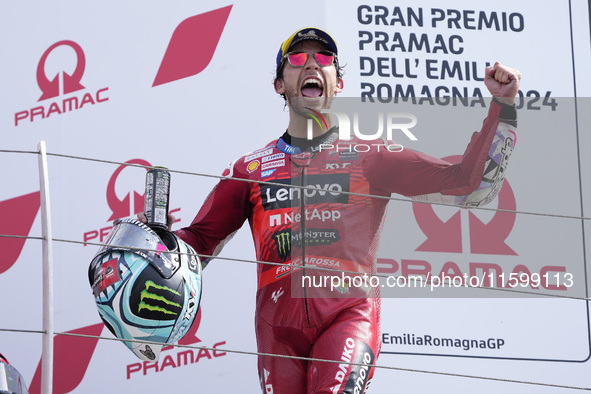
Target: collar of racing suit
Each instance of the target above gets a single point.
(294, 145)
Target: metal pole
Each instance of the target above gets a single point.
(47, 357)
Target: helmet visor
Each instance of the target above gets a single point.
(136, 237)
(11, 380)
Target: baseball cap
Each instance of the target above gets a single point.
(307, 33)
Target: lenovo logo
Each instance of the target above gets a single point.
(318, 189)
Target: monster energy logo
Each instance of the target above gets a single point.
(283, 243)
(153, 302)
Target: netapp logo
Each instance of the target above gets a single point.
(318, 189)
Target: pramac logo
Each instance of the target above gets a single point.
(485, 238)
(68, 82)
(131, 204)
(71, 83)
(121, 208)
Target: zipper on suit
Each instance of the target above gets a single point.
(303, 176)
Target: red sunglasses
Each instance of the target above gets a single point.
(299, 59)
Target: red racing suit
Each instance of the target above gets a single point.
(310, 211)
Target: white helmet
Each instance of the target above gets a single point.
(147, 286)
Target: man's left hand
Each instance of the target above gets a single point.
(503, 82)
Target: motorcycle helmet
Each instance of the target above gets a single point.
(146, 285)
(11, 381)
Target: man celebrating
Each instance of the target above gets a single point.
(313, 211)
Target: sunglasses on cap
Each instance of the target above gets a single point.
(299, 59)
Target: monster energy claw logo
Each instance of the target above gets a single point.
(154, 299)
(283, 243)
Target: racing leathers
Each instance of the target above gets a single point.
(316, 208)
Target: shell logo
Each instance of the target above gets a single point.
(253, 165)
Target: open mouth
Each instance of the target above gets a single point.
(312, 88)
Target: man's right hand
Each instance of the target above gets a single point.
(142, 218)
